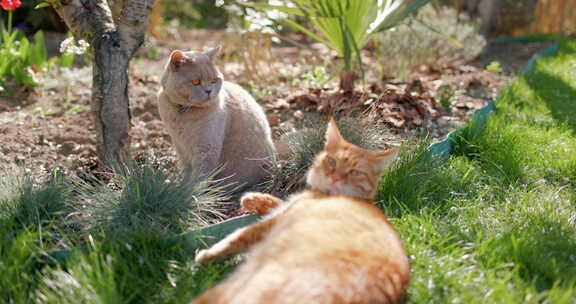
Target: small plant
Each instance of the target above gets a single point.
(141, 197)
(260, 92)
(441, 35)
(316, 78)
(21, 60)
(495, 67)
(444, 95)
(346, 25)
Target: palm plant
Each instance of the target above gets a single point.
(346, 25)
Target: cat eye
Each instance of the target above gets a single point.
(213, 80)
(355, 173)
(330, 162)
(195, 81)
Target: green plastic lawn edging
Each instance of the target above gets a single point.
(189, 241)
(526, 39)
(443, 148)
(202, 238)
(208, 236)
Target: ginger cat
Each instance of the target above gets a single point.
(329, 244)
(213, 123)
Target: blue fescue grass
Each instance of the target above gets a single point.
(144, 198)
(31, 216)
(119, 229)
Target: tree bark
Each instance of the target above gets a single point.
(114, 43)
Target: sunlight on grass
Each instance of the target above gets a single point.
(496, 224)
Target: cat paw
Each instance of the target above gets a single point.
(259, 203)
(203, 256)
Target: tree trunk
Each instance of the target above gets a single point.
(114, 44)
(110, 104)
(347, 79)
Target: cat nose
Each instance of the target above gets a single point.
(336, 178)
(208, 91)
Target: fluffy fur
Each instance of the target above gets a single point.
(213, 123)
(329, 244)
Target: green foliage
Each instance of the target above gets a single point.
(31, 216)
(495, 223)
(21, 59)
(345, 25)
(28, 205)
(445, 95)
(441, 35)
(49, 3)
(196, 13)
(132, 261)
(317, 77)
(495, 67)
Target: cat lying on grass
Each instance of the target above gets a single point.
(328, 244)
(213, 123)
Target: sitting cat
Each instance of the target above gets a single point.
(329, 244)
(213, 123)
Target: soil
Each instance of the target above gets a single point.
(50, 128)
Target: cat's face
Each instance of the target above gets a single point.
(342, 168)
(192, 77)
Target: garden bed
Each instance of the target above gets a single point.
(50, 128)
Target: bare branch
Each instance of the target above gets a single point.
(133, 22)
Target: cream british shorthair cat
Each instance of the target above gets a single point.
(328, 244)
(213, 123)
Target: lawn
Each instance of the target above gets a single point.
(495, 223)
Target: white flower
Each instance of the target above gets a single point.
(70, 46)
(64, 44)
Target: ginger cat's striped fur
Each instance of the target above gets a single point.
(329, 244)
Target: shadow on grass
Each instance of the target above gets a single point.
(419, 180)
(558, 95)
(542, 250)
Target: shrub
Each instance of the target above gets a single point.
(400, 57)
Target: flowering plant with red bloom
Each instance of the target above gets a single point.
(10, 5)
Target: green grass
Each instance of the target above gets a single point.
(116, 234)
(496, 223)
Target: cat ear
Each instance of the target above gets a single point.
(176, 59)
(333, 136)
(386, 159)
(213, 52)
